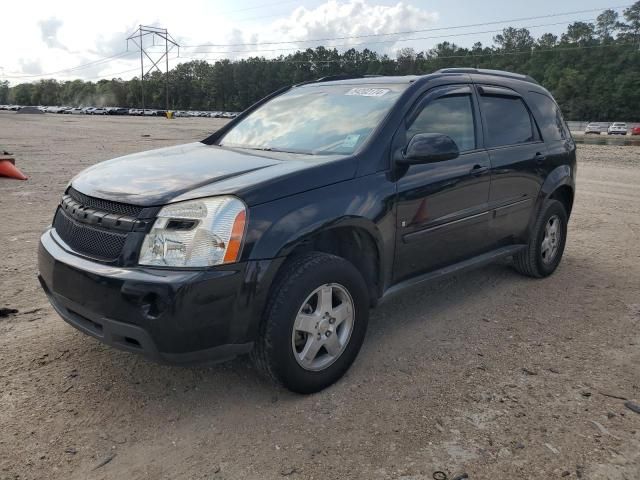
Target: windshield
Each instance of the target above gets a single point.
(316, 119)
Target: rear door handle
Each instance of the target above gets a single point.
(540, 157)
(478, 170)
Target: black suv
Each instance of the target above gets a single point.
(275, 235)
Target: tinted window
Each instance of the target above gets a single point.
(452, 116)
(508, 121)
(316, 119)
(549, 117)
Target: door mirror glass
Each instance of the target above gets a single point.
(428, 148)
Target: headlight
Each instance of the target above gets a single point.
(196, 233)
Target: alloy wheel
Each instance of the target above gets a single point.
(323, 327)
(551, 239)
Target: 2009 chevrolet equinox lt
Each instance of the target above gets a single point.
(275, 235)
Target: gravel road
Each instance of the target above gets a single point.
(489, 373)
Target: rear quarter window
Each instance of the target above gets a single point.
(549, 117)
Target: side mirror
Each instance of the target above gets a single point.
(428, 148)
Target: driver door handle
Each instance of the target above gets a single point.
(478, 170)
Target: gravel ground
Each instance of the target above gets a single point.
(489, 374)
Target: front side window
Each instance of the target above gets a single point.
(452, 116)
(508, 121)
(316, 119)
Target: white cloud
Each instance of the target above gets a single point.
(49, 32)
(352, 19)
(354, 23)
(31, 67)
(57, 36)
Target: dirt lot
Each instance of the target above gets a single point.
(489, 374)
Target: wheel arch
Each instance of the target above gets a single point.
(559, 185)
(564, 194)
(354, 239)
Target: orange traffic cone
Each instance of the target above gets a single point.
(8, 169)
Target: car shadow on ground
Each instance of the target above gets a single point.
(423, 308)
(415, 308)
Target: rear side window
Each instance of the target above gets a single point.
(508, 121)
(549, 117)
(452, 115)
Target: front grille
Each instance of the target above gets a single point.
(104, 205)
(88, 240)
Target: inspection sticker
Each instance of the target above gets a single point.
(350, 141)
(368, 92)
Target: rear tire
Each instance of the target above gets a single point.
(297, 322)
(546, 243)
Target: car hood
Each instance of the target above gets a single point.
(196, 170)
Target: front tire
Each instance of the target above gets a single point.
(314, 323)
(546, 243)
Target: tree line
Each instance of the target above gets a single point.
(593, 70)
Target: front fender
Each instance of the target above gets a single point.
(276, 228)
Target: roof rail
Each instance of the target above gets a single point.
(342, 76)
(331, 78)
(485, 71)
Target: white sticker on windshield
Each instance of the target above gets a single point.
(350, 141)
(368, 92)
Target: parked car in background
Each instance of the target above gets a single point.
(99, 111)
(74, 111)
(593, 129)
(148, 112)
(278, 233)
(118, 111)
(617, 128)
(88, 110)
(635, 130)
(135, 111)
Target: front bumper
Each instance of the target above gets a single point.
(170, 316)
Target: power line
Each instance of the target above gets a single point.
(383, 34)
(115, 74)
(395, 40)
(406, 32)
(446, 57)
(112, 75)
(77, 67)
(257, 7)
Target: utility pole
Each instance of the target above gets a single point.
(137, 38)
(141, 67)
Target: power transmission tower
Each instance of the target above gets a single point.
(138, 38)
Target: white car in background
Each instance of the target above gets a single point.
(617, 128)
(593, 128)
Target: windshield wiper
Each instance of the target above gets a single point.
(272, 149)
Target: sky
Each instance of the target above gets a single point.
(73, 39)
